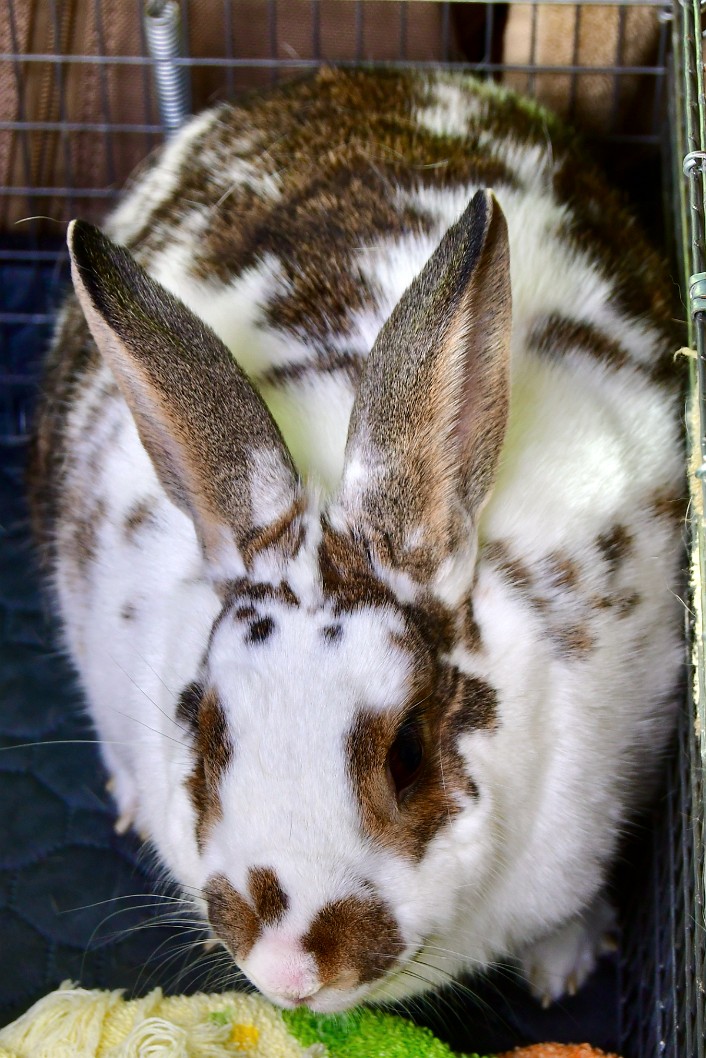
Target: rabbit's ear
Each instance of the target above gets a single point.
(429, 418)
(213, 443)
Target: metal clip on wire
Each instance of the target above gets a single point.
(162, 29)
(697, 292)
(694, 162)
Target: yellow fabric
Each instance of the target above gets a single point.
(78, 1023)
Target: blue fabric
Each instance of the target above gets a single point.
(63, 872)
(69, 887)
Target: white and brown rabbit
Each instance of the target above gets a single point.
(369, 576)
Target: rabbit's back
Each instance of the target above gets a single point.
(292, 224)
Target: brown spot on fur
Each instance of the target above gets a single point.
(498, 555)
(260, 630)
(601, 226)
(285, 533)
(615, 546)
(456, 704)
(556, 336)
(214, 751)
(332, 633)
(361, 130)
(665, 503)
(84, 536)
(562, 571)
(475, 704)
(128, 612)
(140, 515)
(623, 603)
(189, 703)
(325, 363)
(520, 576)
(347, 576)
(575, 642)
(242, 594)
(626, 602)
(354, 938)
(73, 359)
(271, 902)
(349, 583)
(471, 632)
(231, 916)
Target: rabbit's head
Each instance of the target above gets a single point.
(335, 813)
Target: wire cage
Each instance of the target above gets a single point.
(88, 88)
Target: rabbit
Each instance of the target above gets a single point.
(359, 472)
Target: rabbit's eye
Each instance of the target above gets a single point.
(405, 758)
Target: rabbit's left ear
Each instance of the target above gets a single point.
(212, 441)
(430, 416)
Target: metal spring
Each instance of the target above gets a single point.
(163, 32)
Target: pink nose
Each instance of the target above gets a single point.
(282, 969)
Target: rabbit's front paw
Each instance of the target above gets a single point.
(559, 964)
(123, 790)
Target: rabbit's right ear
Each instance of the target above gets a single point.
(213, 443)
(430, 415)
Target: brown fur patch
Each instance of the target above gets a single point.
(470, 631)
(271, 902)
(243, 594)
(261, 630)
(347, 576)
(557, 335)
(189, 703)
(558, 572)
(84, 536)
(354, 941)
(324, 363)
(667, 503)
(562, 571)
(519, 575)
(335, 144)
(285, 533)
(575, 642)
(233, 919)
(457, 703)
(214, 751)
(615, 546)
(601, 226)
(140, 515)
(626, 602)
(349, 583)
(623, 603)
(73, 359)
(128, 612)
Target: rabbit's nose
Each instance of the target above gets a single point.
(280, 968)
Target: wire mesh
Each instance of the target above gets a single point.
(83, 111)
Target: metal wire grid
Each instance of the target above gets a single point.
(231, 68)
(663, 948)
(663, 956)
(29, 241)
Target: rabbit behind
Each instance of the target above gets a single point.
(382, 697)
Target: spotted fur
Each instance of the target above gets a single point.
(365, 526)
